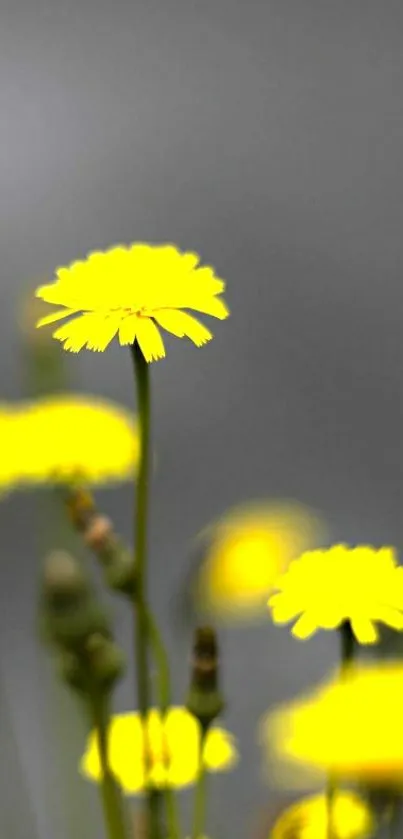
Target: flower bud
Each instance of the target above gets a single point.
(63, 578)
(205, 700)
(106, 662)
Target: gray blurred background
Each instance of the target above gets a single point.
(268, 137)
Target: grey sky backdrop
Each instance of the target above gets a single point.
(268, 137)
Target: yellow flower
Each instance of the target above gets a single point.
(349, 728)
(326, 587)
(129, 291)
(246, 552)
(174, 750)
(11, 439)
(63, 437)
(351, 818)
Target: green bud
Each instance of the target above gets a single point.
(72, 671)
(106, 662)
(205, 700)
(63, 579)
(205, 706)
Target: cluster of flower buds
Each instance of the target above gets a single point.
(98, 534)
(205, 700)
(77, 626)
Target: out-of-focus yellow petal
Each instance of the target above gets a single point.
(351, 818)
(173, 756)
(350, 728)
(245, 553)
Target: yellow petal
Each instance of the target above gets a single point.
(59, 314)
(91, 329)
(305, 627)
(149, 339)
(364, 630)
(210, 306)
(181, 324)
(127, 330)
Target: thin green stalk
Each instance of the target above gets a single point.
(200, 799)
(347, 649)
(111, 796)
(140, 594)
(164, 701)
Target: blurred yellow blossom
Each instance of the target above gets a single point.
(61, 437)
(130, 291)
(245, 553)
(323, 588)
(11, 443)
(351, 818)
(173, 756)
(350, 727)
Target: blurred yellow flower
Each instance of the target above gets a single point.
(174, 750)
(245, 553)
(323, 588)
(130, 291)
(351, 818)
(11, 440)
(349, 728)
(61, 437)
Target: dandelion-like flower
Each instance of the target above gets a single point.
(173, 750)
(323, 588)
(348, 728)
(59, 438)
(351, 818)
(246, 551)
(129, 292)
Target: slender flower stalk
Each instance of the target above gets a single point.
(164, 701)
(140, 590)
(110, 793)
(200, 800)
(347, 649)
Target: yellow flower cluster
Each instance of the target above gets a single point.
(60, 438)
(129, 292)
(323, 588)
(173, 757)
(349, 728)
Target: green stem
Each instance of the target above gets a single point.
(200, 800)
(164, 701)
(110, 793)
(140, 592)
(347, 644)
(347, 650)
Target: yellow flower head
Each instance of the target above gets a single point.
(351, 818)
(350, 727)
(326, 587)
(246, 552)
(130, 291)
(173, 750)
(11, 440)
(60, 438)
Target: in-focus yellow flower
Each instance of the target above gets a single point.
(66, 436)
(130, 291)
(351, 818)
(326, 587)
(173, 750)
(349, 728)
(246, 551)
